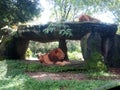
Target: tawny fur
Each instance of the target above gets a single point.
(55, 56)
(84, 18)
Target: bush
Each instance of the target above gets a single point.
(95, 63)
(37, 47)
(28, 53)
(73, 46)
(118, 31)
(75, 55)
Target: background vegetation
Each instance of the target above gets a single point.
(67, 9)
(18, 11)
(74, 50)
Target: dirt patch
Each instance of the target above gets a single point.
(114, 71)
(57, 76)
(114, 74)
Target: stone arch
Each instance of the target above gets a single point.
(106, 32)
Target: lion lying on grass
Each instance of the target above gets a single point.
(55, 56)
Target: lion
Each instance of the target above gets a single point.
(55, 56)
(85, 17)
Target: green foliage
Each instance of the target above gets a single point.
(95, 63)
(16, 66)
(75, 55)
(42, 47)
(58, 28)
(23, 82)
(61, 9)
(15, 11)
(73, 46)
(118, 31)
(70, 85)
(113, 6)
(28, 53)
(67, 9)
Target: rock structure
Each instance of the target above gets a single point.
(94, 37)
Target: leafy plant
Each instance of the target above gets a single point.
(75, 55)
(95, 63)
(118, 31)
(22, 11)
(58, 28)
(28, 53)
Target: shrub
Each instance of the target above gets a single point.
(28, 53)
(37, 47)
(75, 55)
(95, 63)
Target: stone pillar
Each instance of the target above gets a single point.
(84, 46)
(115, 56)
(21, 47)
(90, 43)
(13, 48)
(63, 46)
(107, 46)
(91, 49)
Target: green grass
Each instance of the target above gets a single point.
(13, 77)
(22, 82)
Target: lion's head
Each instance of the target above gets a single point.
(56, 55)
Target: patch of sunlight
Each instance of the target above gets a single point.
(32, 58)
(3, 69)
(109, 74)
(118, 31)
(14, 83)
(106, 74)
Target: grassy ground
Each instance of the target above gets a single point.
(13, 77)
